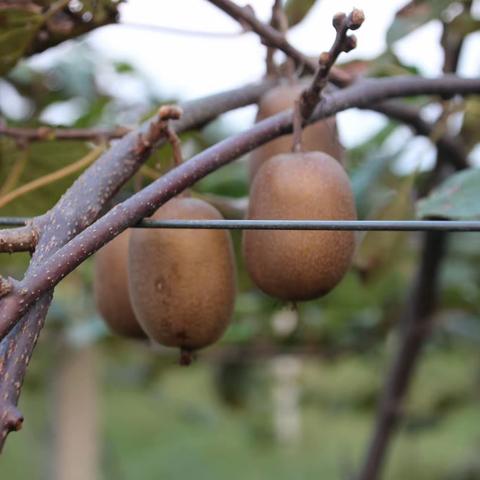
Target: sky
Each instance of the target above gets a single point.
(187, 66)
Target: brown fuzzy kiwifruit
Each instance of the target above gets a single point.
(111, 288)
(299, 265)
(182, 282)
(320, 136)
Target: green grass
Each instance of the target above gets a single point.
(177, 427)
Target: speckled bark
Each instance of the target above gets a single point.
(79, 207)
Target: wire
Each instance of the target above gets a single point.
(180, 31)
(355, 225)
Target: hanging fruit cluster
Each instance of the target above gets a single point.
(178, 286)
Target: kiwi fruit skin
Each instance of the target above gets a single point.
(183, 282)
(299, 265)
(321, 136)
(111, 288)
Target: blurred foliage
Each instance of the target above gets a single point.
(20, 25)
(32, 26)
(218, 418)
(376, 249)
(177, 426)
(417, 13)
(297, 10)
(458, 198)
(470, 122)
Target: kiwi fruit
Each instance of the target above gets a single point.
(299, 265)
(111, 287)
(182, 281)
(321, 136)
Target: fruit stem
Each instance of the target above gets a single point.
(186, 357)
(297, 128)
(176, 145)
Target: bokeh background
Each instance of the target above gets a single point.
(286, 393)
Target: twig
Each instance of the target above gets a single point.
(52, 177)
(309, 98)
(172, 113)
(342, 43)
(5, 286)
(340, 78)
(48, 133)
(272, 68)
(23, 239)
(279, 22)
(158, 128)
(274, 38)
(62, 24)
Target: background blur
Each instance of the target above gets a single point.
(282, 395)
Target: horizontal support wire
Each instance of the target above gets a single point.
(358, 225)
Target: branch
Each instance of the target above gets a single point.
(145, 202)
(53, 259)
(22, 239)
(417, 321)
(274, 38)
(277, 40)
(342, 43)
(47, 133)
(62, 24)
(15, 353)
(79, 207)
(305, 105)
(417, 318)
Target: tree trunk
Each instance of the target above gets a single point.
(76, 441)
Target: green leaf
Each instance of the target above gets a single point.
(458, 198)
(21, 21)
(297, 10)
(43, 158)
(470, 132)
(413, 16)
(18, 27)
(375, 251)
